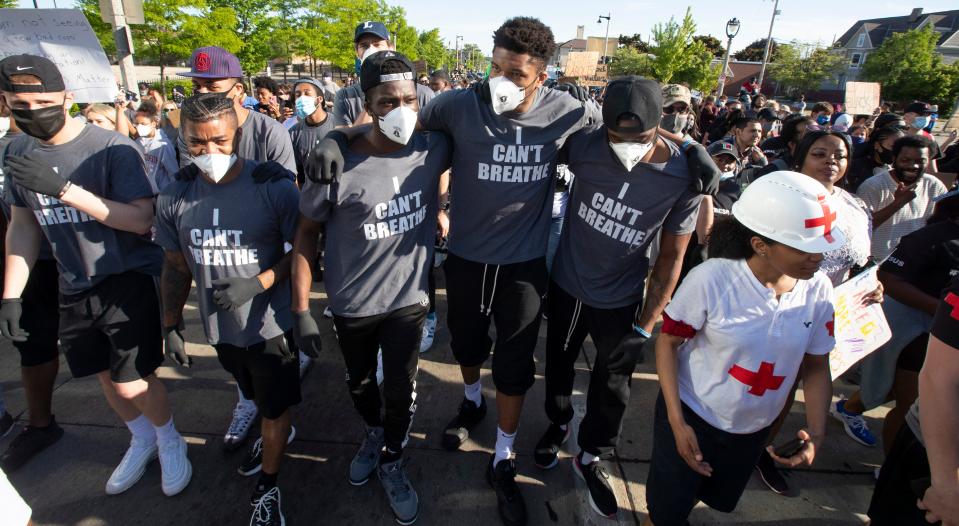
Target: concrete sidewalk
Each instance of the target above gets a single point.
(64, 485)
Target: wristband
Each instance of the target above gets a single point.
(641, 331)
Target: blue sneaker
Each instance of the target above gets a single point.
(854, 424)
(429, 332)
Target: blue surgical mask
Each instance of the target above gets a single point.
(822, 120)
(857, 139)
(305, 106)
(920, 122)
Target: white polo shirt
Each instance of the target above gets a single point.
(879, 191)
(738, 369)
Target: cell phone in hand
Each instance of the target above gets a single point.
(790, 448)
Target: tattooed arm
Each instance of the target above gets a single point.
(663, 279)
(175, 282)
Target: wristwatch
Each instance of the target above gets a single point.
(445, 206)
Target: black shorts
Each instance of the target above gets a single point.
(113, 326)
(913, 355)
(893, 501)
(673, 488)
(41, 315)
(267, 373)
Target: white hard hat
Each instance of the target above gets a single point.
(792, 209)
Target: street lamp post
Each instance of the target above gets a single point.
(769, 41)
(732, 29)
(606, 42)
(458, 38)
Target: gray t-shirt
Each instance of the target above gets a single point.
(613, 218)
(349, 103)
(103, 163)
(263, 139)
(380, 226)
(234, 229)
(503, 168)
(305, 136)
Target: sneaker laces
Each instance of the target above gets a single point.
(242, 418)
(395, 478)
(263, 512)
(857, 422)
(370, 445)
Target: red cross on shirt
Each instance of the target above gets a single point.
(825, 221)
(758, 381)
(953, 300)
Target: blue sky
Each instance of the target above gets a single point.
(807, 20)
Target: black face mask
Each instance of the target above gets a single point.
(885, 156)
(42, 123)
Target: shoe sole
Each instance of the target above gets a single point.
(136, 479)
(555, 461)
(358, 483)
(406, 522)
(768, 485)
(592, 504)
(189, 477)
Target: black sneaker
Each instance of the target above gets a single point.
(601, 496)
(458, 430)
(770, 475)
(267, 511)
(253, 462)
(546, 455)
(6, 424)
(510, 503)
(28, 443)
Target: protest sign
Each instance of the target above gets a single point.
(65, 37)
(862, 98)
(581, 64)
(859, 329)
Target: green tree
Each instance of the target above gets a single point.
(472, 58)
(712, 44)
(798, 72)
(8, 3)
(635, 42)
(674, 57)
(256, 21)
(754, 52)
(909, 69)
(430, 48)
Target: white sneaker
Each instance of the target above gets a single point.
(175, 466)
(140, 453)
(305, 363)
(429, 332)
(244, 414)
(379, 367)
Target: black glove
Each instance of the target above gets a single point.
(35, 175)
(176, 347)
(703, 170)
(327, 158)
(306, 334)
(271, 171)
(629, 352)
(187, 173)
(580, 93)
(10, 312)
(233, 293)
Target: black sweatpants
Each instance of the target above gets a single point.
(398, 333)
(570, 320)
(510, 294)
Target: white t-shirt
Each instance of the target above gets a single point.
(879, 191)
(15, 512)
(738, 369)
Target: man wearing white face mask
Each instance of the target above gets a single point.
(631, 187)
(158, 153)
(348, 108)
(226, 231)
(313, 122)
(381, 224)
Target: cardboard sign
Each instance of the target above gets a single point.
(65, 37)
(581, 64)
(859, 329)
(862, 98)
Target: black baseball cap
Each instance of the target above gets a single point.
(918, 107)
(767, 114)
(371, 28)
(371, 72)
(889, 119)
(633, 96)
(51, 81)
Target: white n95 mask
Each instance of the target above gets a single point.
(505, 95)
(144, 130)
(399, 124)
(630, 153)
(215, 165)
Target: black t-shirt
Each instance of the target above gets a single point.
(945, 325)
(928, 258)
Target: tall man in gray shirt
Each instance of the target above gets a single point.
(226, 231)
(216, 70)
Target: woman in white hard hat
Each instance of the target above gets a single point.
(733, 341)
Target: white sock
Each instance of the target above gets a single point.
(587, 459)
(504, 445)
(474, 392)
(166, 432)
(141, 428)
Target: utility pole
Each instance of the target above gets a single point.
(121, 35)
(458, 38)
(769, 42)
